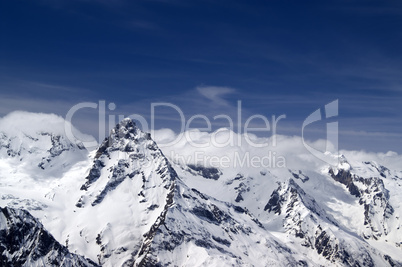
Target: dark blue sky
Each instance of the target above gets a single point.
(277, 57)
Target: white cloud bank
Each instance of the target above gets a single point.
(227, 149)
(222, 148)
(19, 123)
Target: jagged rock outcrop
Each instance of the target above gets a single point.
(200, 230)
(206, 172)
(299, 175)
(131, 174)
(121, 156)
(373, 196)
(305, 219)
(24, 242)
(346, 178)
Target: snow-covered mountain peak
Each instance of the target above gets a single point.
(127, 125)
(128, 131)
(125, 137)
(343, 163)
(125, 153)
(130, 181)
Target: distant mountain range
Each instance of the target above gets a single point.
(129, 203)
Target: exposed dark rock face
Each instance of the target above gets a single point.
(346, 178)
(240, 185)
(206, 172)
(210, 213)
(241, 189)
(299, 175)
(5, 142)
(199, 213)
(377, 208)
(391, 262)
(305, 219)
(119, 173)
(275, 202)
(330, 248)
(287, 196)
(221, 241)
(24, 242)
(372, 195)
(130, 142)
(382, 170)
(239, 177)
(148, 237)
(122, 138)
(94, 174)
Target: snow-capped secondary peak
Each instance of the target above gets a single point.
(38, 144)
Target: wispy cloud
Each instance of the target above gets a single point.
(216, 93)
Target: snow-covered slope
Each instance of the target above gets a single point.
(131, 203)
